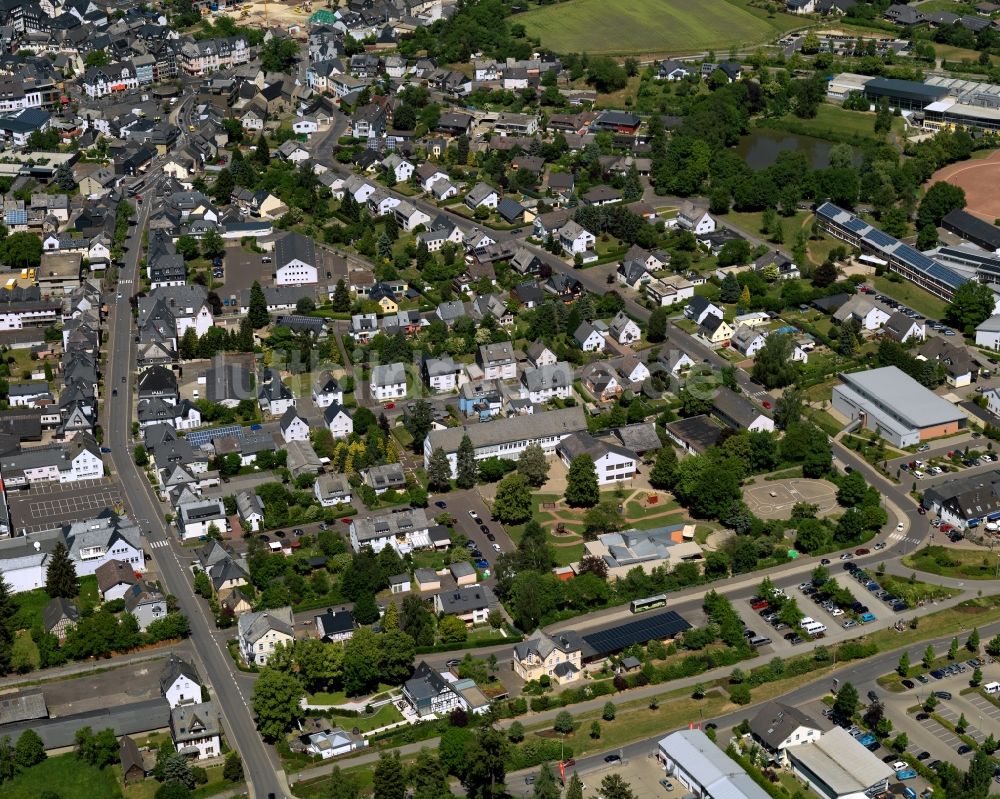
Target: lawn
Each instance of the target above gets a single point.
(387, 714)
(672, 26)
(968, 564)
(919, 300)
(831, 122)
(915, 590)
(65, 776)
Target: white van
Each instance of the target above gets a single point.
(992, 687)
(815, 628)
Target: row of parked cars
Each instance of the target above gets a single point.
(864, 615)
(876, 590)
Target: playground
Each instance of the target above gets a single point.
(774, 499)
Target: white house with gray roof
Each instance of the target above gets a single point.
(404, 530)
(251, 509)
(444, 374)
(327, 390)
(388, 382)
(260, 632)
(94, 542)
(295, 260)
(482, 194)
(195, 731)
(80, 459)
(547, 382)
(195, 518)
(338, 420)
(612, 462)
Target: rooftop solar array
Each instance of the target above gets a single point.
(985, 261)
(856, 225)
(659, 626)
(879, 239)
(198, 438)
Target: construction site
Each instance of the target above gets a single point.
(272, 13)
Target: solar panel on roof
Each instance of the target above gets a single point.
(199, 437)
(856, 225)
(879, 239)
(658, 626)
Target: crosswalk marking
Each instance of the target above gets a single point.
(896, 536)
(158, 544)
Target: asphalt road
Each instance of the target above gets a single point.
(264, 776)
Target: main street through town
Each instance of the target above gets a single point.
(264, 775)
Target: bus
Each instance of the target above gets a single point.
(650, 602)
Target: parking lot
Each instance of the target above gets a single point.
(241, 268)
(49, 505)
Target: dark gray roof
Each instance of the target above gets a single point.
(465, 600)
(56, 610)
(177, 667)
(153, 714)
(22, 707)
(294, 246)
(776, 721)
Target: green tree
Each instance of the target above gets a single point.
(485, 770)
(388, 780)
(365, 609)
(64, 177)
(972, 642)
(140, 455)
(362, 665)
(773, 365)
(452, 630)
(513, 503)
(29, 750)
(257, 311)
(232, 769)
(439, 471)
(575, 788)
(418, 423)
(212, 245)
(656, 327)
(595, 729)
(275, 702)
(398, 651)
(731, 289)
(900, 742)
(852, 491)
(533, 465)
(515, 732)
(187, 247)
(664, 472)
(342, 786)
(545, 784)
(903, 667)
(60, 576)
(613, 786)
(563, 722)
(953, 649)
(427, 777)
(609, 711)
(846, 703)
(341, 297)
(977, 677)
(927, 237)
(928, 658)
(582, 490)
(279, 54)
(971, 304)
(937, 201)
(466, 469)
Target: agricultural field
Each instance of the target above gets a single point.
(672, 26)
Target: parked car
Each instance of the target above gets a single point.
(906, 774)
(667, 785)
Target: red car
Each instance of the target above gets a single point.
(758, 604)
(347, 520)
(861, 551)
(766, 404)
(390, 405)
(944, 528)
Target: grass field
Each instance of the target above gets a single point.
(968, 564)
(65, 776)
(674, 26)
(919, 300)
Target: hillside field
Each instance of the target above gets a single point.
(619, 27)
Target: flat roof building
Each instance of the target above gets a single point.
(838, 767)
(690, 757)
(904, 94)
(891, 402)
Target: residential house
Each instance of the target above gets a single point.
(540, 355)
(195, 730)
(747, 341)
(180, 683)
(546, 382)
(497, 361)
(58, 616)
(624, 330)
(443, 374)
(779, 726)
(903, 328)
(146, 602)
(404, 531)
(715, 330)
(738, 412)
(260, 632)
(250, 507)
(275, 397)
(327, 391)
(482, 195)
(612, 462)
(588, 338)
(559, 658)
(388, 382)
(575, 239)
(695, 218)
(334, 625)
(471, 604)
(338, 420)
(195, 518)
(114, 578)
(862, 310)
(293, 427)
(698, 308)
(332, 490)
(387, 477)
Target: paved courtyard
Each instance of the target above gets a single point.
(49, 505)
(774, 499)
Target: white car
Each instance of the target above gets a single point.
(496, 548)
(918, 474)
(836, 612)
(899, 765)
(899, 527)
(472, 513)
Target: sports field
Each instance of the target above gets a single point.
(674, 27)
(979, 178)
